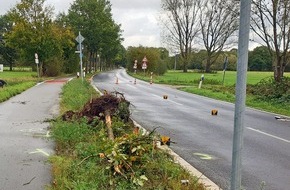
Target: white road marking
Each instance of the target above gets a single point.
(267, 134)
(175, 102)
(39, 151)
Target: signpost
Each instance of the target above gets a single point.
(225, 68)
(135, 66)
(144, 64)
(37, 62)
(80, 39)
(1, 67)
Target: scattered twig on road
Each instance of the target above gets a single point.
(29, 181)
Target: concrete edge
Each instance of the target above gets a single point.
(210, 185)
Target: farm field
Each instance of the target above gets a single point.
(213, 87)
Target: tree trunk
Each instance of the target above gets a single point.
(11, 66)
(109, 125)
(279, 69)
(207, 66)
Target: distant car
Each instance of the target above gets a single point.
(2, 83)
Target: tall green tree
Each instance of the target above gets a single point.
(260, 59)
(93, 18)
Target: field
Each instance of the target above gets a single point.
(192, 78)
(17, 82)
(213, 87)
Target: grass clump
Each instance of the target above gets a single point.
(87, 159)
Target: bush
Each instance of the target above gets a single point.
(269, 89)
(53, 68)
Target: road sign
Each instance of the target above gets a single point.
(80, 38)
(135, 65)
(37, 61)
(36, 56)
(144, 66)
(144, 63)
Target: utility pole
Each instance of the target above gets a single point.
(244, 28)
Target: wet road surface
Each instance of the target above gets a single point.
(24, 138)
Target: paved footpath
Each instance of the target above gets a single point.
(24, 138)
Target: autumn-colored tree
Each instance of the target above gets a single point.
(35, 32)
(155, 56)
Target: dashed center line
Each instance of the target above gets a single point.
(267, 134)
(168, 100)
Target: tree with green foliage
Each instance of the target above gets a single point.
(7, 53)
(156, 59)
(260, 59)
(93, 18)
(35, 32)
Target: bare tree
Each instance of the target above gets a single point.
(271, 23)
(218, 21)
(180, 20)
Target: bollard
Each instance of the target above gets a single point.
(214, 112)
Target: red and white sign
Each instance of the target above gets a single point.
(144, 63)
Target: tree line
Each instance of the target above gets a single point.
(31, 27)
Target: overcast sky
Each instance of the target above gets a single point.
(137, 17)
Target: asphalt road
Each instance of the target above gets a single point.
(205, 141)
(24, 137)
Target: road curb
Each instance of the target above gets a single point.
(210, 185)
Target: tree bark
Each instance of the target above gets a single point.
(109, 125)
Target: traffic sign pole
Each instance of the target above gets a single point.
(37, 62)
(80, 39)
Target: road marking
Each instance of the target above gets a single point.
(175, 102)
(168, 100)
(267, 134)
(203, 156)
(39, 151)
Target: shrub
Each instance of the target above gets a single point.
(269, 89)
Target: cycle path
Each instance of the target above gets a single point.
(24, 136)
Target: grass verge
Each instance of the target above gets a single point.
(87, 159)
(212, 87)
(17, 82)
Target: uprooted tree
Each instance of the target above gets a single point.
(103, 108)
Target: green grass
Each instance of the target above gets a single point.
(192, 78)
(17, 82)
(212, 87)
(75, 94)
(78, 164)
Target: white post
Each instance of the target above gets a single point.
(81, 58)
